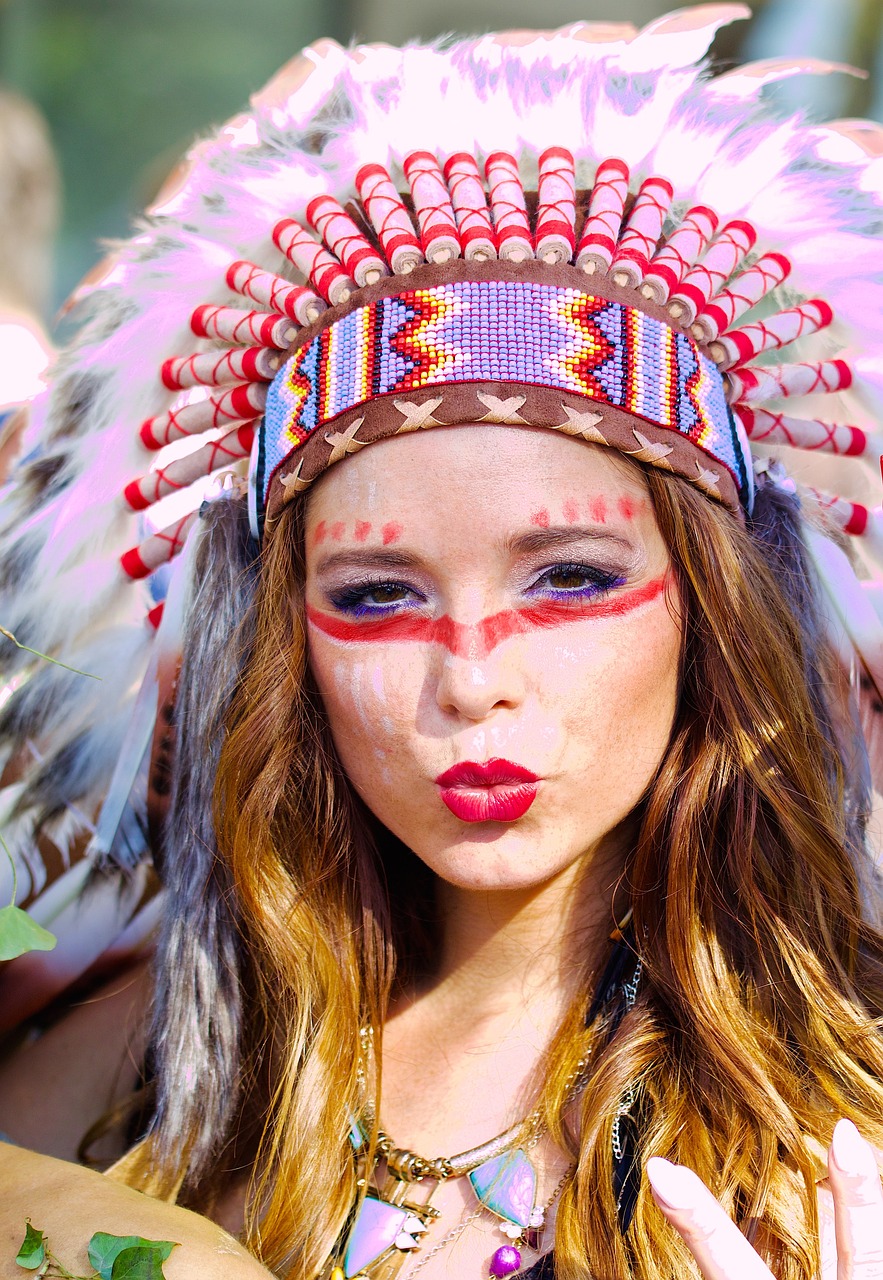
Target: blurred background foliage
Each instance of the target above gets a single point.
(126, 84)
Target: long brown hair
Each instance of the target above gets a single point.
(755, 1027)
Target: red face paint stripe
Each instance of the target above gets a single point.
(481, 639)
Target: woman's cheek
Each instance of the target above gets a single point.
(355, 690)
(617, 694)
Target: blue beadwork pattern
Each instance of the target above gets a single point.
(503, 331)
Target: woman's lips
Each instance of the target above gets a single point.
(496, 791)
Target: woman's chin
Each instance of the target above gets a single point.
(500, 856)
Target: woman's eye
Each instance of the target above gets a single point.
(577, 580)
(372, 597)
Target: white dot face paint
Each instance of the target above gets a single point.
(493, 627)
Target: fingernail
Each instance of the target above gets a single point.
(850, 1152)
(671, 1183)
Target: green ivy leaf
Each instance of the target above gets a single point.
(32, 1253)
(106, 1255)
(19, 933)
(139, 1263)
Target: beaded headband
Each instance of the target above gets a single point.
(602, 314)
(503, 346)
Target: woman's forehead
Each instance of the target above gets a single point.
(448, 472)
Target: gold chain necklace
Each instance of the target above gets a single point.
(389, 1223)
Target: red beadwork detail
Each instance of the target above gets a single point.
(389, 217)
(435, 213)
(154, 617)
(313, 261)
(597, 243)
(294, 300)
(470, 206)
(556, 205)
(242, 327)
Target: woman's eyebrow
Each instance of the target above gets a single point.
(565, 535)
(366, 558)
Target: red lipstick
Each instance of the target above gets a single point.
(497, 791)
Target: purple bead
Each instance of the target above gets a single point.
(505, 1261)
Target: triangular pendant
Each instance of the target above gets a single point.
(374, 1231)
(507, 1186)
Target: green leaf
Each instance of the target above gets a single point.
(105, 1250)
(32, 1253)
(139, 1263)
(19, 933)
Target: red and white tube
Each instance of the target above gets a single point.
(246, 328)
(755, 384)
(345, 241)
(313, 261)
(389, 218)
(851, 517)
(147, 490)
(728, 306)
(238, 404)
(810, 434)
(556, 206)
(676, 256)
(641, 233)
(213, 369)
(511, 221)
(741, 345)
(158, 549)
(470, 207)
(600, 233)
(439, 235)
(709, 276)
(265, 287)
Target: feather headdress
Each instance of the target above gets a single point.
(748, 232)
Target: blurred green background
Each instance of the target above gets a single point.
(126, 84)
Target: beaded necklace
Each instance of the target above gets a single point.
(389, 1224)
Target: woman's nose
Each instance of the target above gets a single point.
(473, 686)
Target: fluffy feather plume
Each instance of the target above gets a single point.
(599, 90)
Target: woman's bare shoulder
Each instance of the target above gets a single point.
(70, 1203)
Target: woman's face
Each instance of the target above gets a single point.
(493, 594)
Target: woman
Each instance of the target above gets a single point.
(517, 835)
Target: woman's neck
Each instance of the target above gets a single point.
(461, 1054)
(518, 949)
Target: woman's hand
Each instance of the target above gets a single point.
(723, 1253)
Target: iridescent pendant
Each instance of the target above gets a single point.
(379, 1228)
(507, 1186)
